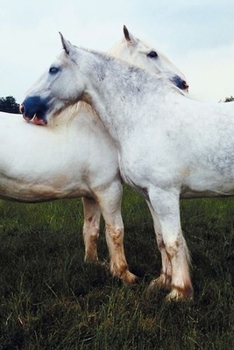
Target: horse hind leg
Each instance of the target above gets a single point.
(110, 204)
(91, 225)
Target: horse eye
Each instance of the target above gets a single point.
(152, 54)
(53, 70)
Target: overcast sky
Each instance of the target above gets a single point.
(196, 35)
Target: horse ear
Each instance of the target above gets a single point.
(126, 33)
(66, 44)
(129, 37)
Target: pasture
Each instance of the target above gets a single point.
(52, 300)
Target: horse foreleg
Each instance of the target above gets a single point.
(110, 204)
(91, 224)
(164, 280)
(165, 209)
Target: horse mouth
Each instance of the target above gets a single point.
(35, 120)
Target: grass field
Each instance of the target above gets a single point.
(52, 300)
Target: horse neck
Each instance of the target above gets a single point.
(119, 50)
(116, 89)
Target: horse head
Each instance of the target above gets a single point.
(149, 58)
(57, 81)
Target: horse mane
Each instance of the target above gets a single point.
(157, 79)
(69, 113)
(109, 57)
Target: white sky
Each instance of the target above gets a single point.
(196, 35)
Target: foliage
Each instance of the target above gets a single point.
(8, 104)
(52, 300)
(229, 99)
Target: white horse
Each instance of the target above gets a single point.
(57, 169)
(169, 146)
(76, 157)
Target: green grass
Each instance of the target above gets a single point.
(52, 300)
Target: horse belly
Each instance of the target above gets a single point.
(38, 185)
(208, 182)
(40, 192)
(190, 194)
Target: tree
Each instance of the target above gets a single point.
(229, 99)
(8, 104)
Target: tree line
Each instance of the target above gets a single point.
(229, 99)
(8, 104)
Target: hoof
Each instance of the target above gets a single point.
(129, 278)
(180, 295)
(162, 282)
(91, 259)
(98, 263)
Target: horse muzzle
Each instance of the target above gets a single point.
(34, 110)
(180, 83)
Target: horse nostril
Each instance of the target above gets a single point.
(185, 85)
(179, 82)
(21, 108)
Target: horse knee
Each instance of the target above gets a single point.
(115, 234)
(174, 246)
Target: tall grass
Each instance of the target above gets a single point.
(52, 300)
